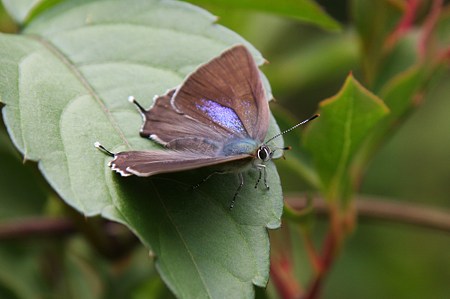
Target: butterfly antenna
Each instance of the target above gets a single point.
(103, 149)
(296, 126)
(132, 100)
(286, 148)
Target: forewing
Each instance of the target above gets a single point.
(147, 163)
(177, 131)
(226, 94)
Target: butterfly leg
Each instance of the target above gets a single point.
(241, 178)
(265, 178)
(261, 169)
(206, 178)
(259, 178)
(103, 149)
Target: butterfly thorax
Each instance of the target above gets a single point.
(239, 146)
(258, 155)
(261, 153)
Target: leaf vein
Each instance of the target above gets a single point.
(182, 239)
(90, 90)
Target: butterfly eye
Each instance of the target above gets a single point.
(263, 153)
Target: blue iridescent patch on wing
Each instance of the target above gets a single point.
(224, 116)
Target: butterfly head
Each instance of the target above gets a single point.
(264, 153)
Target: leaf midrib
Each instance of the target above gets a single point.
(84, 82)
(182, 239)
(345, 151)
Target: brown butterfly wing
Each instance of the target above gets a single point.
(177, 131)
(231, 81)
(223, 99)
(147, 163)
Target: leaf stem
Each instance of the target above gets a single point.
(378, 208)
(110, 239)
(36, 227)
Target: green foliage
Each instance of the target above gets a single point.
(347, 120)
(304, 10)
(64, 81)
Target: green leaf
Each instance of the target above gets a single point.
(398, 95)
(346, 121)
(398, 60)
(65, 83)
(304, 10)
(374, 21)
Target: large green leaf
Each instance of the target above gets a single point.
(346, 121)
(65, 82)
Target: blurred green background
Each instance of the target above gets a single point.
(307, 65)
(381, 260)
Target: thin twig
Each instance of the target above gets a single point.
(368, 207)
(35, 227)
(371, 207)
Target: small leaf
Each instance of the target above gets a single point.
(304, 10)
(399, 93)
(346, 121)
(65, 84)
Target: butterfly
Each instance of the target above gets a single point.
(218, 116)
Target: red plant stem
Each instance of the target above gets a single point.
(331, 247)
(327, 259)
(445, 55)
(405, 23)
(312, 253)
(428, 27)
(283, 278)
